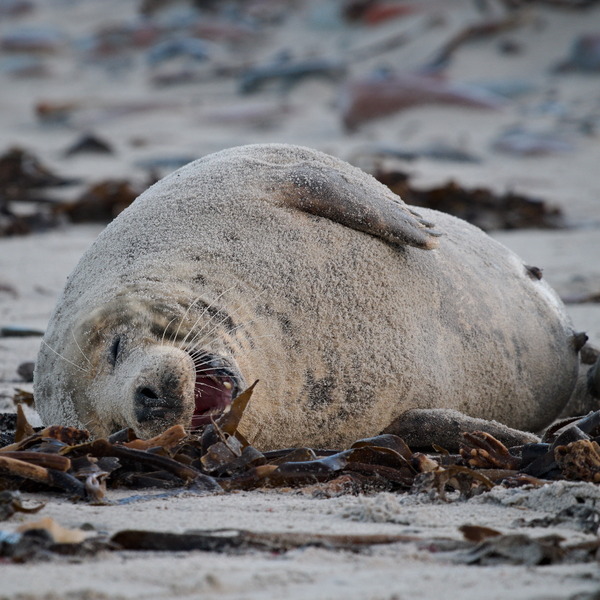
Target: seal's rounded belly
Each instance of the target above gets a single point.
(286, 265)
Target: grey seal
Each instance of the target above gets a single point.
(280, 263)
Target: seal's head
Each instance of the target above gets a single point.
(130, 363)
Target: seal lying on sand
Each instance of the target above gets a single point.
(286, 265)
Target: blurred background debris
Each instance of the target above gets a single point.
(127, 91)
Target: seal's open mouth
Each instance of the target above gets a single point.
(216, 386)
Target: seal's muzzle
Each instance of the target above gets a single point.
(162, 392)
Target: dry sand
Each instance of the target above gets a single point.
(35, 267)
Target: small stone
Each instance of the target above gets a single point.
(25, 371)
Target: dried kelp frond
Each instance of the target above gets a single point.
(579, 517)
(277, 457)
(167, 439)
(21, 172)
(23, 429)
(576, 461)
(514, 549)
(482, 450)
(10, 503)
(43, 539)
(383, 467)
(579, 460)
(230, 421)
(478, 533)
(346, 484)
(522, 549)
(22, 179)
(228, 540)
(101, 202)
(59, 534)
(103, 448)
(480, 206)
(466, 481)
(22, 396)
(24, 471)
(42, 459)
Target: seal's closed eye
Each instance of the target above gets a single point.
(115, 350)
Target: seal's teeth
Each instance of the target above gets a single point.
(228, 385)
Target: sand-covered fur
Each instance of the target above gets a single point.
(302, 271)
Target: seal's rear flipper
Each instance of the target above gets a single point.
(586, 395)
(325, 192)
(424, 427)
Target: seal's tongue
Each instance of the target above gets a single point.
(212, 395)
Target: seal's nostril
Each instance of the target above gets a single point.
(150, 404)
(148, 393)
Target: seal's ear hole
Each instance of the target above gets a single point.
(115, 350)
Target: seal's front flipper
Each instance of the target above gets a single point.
(326, 192)
(421, 428)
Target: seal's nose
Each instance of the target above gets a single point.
(150, 405)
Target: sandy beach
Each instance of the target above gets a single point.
(155, 118)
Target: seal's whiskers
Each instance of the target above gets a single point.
(195, 354)
(206, 309)
(79, 348)
(202, 341)
(162, 339)
(64, 358)
(216, 372)
(86, 424)
(195, 340)
(212, 387)
(227, 316)
(185, 314)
